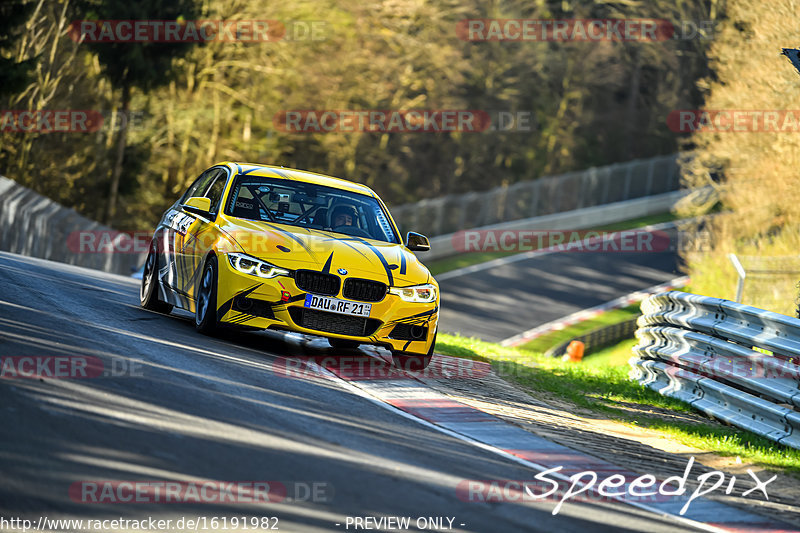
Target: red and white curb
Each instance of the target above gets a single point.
(414, 400)
(586, 314)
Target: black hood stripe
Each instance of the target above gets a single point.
(350, 245)
(380, 256)
(327, 268)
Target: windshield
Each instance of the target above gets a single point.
(311, 206)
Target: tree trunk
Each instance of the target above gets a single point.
(633, 105)
(121, 140)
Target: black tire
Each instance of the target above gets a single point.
(343, 344)
(411, 361)
(205, 315)
(148, 292)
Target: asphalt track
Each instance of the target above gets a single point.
(187, 407)
(500, 302)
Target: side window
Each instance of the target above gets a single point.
(200, 184)
(214, 192)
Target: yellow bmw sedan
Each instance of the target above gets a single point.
(274, 248)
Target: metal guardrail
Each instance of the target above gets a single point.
(587, 217)
(543, 196)
(710, 353)
(33, 225)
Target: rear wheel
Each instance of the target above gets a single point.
(148, 292)
(205, 315)
(411, 361)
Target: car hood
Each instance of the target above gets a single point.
(294, 247)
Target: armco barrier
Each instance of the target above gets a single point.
(704, 351)
(588, 217)
(33, 225)
(541, 197)
(598, 338)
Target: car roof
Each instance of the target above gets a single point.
(271, 171)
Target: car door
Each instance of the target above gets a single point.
(177, 222)
(202, 232)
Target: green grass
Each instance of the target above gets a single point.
(447, 264)
(615, 356)
(600, 385)
(641, 222)
(455, 262)
(554, 338)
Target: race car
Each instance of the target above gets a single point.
(269, 247)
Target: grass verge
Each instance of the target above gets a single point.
(601, 386)
(554, 338)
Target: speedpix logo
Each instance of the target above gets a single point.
(589, 486)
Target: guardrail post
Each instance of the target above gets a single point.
(742, 275)
(651, 167)
(628, 177)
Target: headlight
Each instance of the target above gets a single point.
(255, 267)
(418, 293)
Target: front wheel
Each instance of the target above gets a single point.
(148, 292)
(414, 362)
(205, 315)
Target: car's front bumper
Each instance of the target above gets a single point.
(277, 303)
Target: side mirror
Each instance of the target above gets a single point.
(417, 242)
(198, 206)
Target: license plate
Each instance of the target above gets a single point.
(335, 305)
